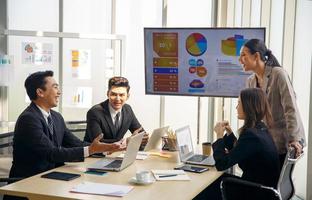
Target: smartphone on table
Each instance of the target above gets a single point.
(191, 168)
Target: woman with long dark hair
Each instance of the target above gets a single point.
(254, 151)
(270, 77)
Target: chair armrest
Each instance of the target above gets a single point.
(235, 188)
(293, 160)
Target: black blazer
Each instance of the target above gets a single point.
(99, 120)
(255, 153)
(34, 149)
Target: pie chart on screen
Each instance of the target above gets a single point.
(196, 44)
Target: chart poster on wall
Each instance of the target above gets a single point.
(81, 63)
(6, 70)
(77, 97)
(37, 53)
(196, 61)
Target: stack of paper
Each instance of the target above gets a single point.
(170, 175)
(102, 189)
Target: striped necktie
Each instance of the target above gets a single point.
(117, 121)
(50, 124)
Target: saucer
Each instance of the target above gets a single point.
(135, 181)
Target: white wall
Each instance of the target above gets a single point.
(131, 17)
(301, 83)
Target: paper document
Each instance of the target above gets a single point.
(140, 156)
(170, 175)
(102, 189)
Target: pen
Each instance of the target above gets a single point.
(169, 175)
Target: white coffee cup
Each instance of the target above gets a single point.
(143, 176)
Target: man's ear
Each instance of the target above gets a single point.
(39, 92)
(128, 95)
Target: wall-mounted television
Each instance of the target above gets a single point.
(196, 61)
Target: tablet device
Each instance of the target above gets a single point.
(191, 168)
(61, 176)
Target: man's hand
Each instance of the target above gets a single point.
(145, 139)
(99, 147)
(297, 146)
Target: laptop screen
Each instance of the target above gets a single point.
(184, 140)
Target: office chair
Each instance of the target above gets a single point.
(234, 188)
(6, 158)
(77, 127)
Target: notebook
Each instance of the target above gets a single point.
(186, 150)
(154, 141)
(118, 164)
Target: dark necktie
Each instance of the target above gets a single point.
(117, 121)
(50, 124)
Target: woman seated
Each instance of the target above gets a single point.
(254, 151)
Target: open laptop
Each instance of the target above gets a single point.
(186, 150)
(118, 164)
(154, 141)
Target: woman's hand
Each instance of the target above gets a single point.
(219, 129)
(227, 127)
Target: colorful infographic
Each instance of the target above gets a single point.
(196, 61)
(196, 44)
(165, 62)
(232, 45)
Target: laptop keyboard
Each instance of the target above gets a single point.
(114, 164)
(197, 158)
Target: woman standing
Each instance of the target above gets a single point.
(274, 81)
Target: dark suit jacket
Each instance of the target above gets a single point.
(255, 153)
(34, 151)
(99, 120)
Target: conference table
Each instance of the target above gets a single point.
(36, 187)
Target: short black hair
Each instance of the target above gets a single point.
(35, 81)
(118, 81)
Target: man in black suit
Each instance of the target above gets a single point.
(41, 140)
(113, 117)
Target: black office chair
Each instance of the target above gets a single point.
(6, 158)
(237, 189)
(77, 127)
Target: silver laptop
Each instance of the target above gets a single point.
(186, 150)
(154, 141)
(118, 164)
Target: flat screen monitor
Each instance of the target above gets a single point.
(196, 61)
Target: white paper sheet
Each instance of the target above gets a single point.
(102, 189)
(140, 156)
(172, 175)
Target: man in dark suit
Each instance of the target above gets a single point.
(41, 140)
(113, 117)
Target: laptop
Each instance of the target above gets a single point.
(118, 164)
(154, 141)
(186, 150)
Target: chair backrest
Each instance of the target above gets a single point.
(77, 127)
(5, 156)
(238, 189)
(285, 185)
